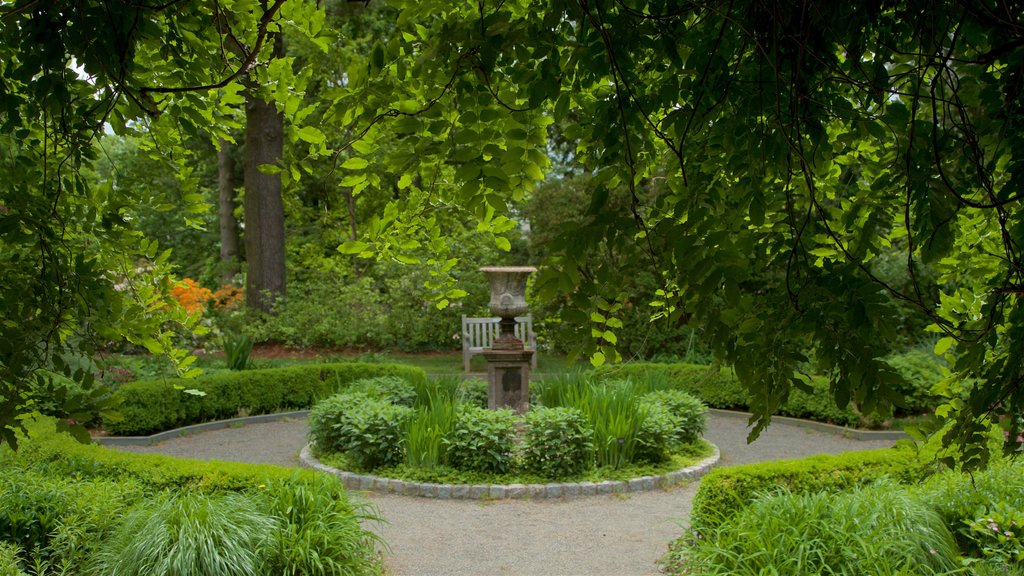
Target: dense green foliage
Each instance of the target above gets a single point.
(901, 518)
(726, 491)
(157, 405)
(74, 508)
(878, 529)
(610, 426)
(368, 430)
(189, 534)
(482, 440)
(721, 388)
(766, 163)
(559, 442)
(773, 153)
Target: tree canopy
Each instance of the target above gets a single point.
(774, 152)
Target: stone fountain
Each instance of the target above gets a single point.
(508, 361)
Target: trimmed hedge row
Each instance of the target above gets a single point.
(151, 406)
(65, 504)
(724, 492)
(721, 389)
(54, 454)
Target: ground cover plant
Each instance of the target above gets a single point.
(577, 428)
(69, 508)
(878, 512)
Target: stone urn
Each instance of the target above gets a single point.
(508, 300)
(508, 361)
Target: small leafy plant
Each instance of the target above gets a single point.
(482, 440)
(559, 442)
(237, 351)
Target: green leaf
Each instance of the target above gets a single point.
(355, 163)
(597, 359)
(943, 345)
(353, 247)
(311, 135)
(502, 243)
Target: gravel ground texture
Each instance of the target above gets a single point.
(619, 535)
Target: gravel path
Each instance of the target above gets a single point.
(621, 535)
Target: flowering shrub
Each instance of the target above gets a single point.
(1000, 533)
(228, 298)
(198, 299)
(191, 295)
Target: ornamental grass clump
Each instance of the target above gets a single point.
(877, 530)
(616, 417)
(318, 529)
(190, 534)
(426, 430)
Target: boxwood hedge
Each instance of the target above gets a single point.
(719, 388)
(724, 492)
(156, 405)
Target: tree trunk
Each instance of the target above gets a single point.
(226, 214)
(264, 209)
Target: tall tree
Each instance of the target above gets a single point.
(264, 208)
(76, 273)
(229, 263)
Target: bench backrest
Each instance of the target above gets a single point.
(481, 332)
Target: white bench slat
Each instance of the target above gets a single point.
(480, 333)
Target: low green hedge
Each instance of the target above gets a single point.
(721, 389)
(724, 492)
(56, 454)
(151, 406)
(64, 503)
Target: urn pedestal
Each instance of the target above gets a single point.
(508, 361)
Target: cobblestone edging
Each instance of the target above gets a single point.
(517, 491)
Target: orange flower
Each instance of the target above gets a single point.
(228, 297)
(191, 295)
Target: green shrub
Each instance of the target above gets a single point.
(369, 431)
(59, 455)
(724, 492)
(156, 405)
(58, 521)
(9, 560)
(30, 509)
(473, 391)
(967, 502)
(482, 440)
(391, 389)
(318, 527)
(689, 415)
(318, 532)
(719, 388)
(871, 530)
(559, 442)
(426, 430)
(655, 437)
(921, 371)
(190, 534)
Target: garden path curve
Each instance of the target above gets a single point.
(616, 535)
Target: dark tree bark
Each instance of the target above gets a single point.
(226, 213)
(264, 209)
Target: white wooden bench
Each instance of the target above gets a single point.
(480, 333)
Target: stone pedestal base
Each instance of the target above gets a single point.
(508, 377)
